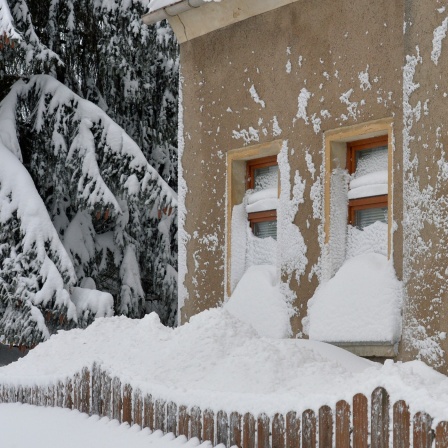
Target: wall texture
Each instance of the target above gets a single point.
(425, 187)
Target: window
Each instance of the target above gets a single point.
(251, 168)
(262, 173)
(364, 151)
(367, 163)
(262, 178)
(358, 217)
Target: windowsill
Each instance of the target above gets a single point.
(369, 349)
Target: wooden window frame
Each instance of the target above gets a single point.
(254, 164)
(367, 202)
(264, 216)
(251, 166)
(360, 145)
(363, 204)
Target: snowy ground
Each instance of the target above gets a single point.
(24, 426)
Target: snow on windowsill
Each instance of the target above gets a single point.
(262, 200)
(372, 184)
(368, 191)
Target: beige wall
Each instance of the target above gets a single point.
(426, 207)
(330, 44)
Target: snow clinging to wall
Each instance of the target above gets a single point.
(316, 196)
(255, 97)
(424, 206)
(291, 245)
(439, 35)
(182, 211)
(238, 244)
(302, 104)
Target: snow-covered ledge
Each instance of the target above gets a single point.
(369, 349)
(194, 18)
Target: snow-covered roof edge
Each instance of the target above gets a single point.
(163, 9)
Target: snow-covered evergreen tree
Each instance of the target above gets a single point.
(82, 130)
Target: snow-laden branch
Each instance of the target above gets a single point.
(19, 198)
(7, 27)
(95, 182)
(55, 99)
(35, 50)
(36, 270)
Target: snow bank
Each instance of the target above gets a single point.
(362, 302)
(214, 361)
(217, 361)
(257, 301)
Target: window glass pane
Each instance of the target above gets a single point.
(371, 160)
(266, 229)
(266, 177)
(367, 216)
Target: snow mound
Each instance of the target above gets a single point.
(216, 361)
(361, 303)
(257, 301)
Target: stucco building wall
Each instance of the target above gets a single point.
(346, 56)
(425, 221)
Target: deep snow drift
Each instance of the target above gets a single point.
(257, 300)
(362, 302)
(217, 361)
